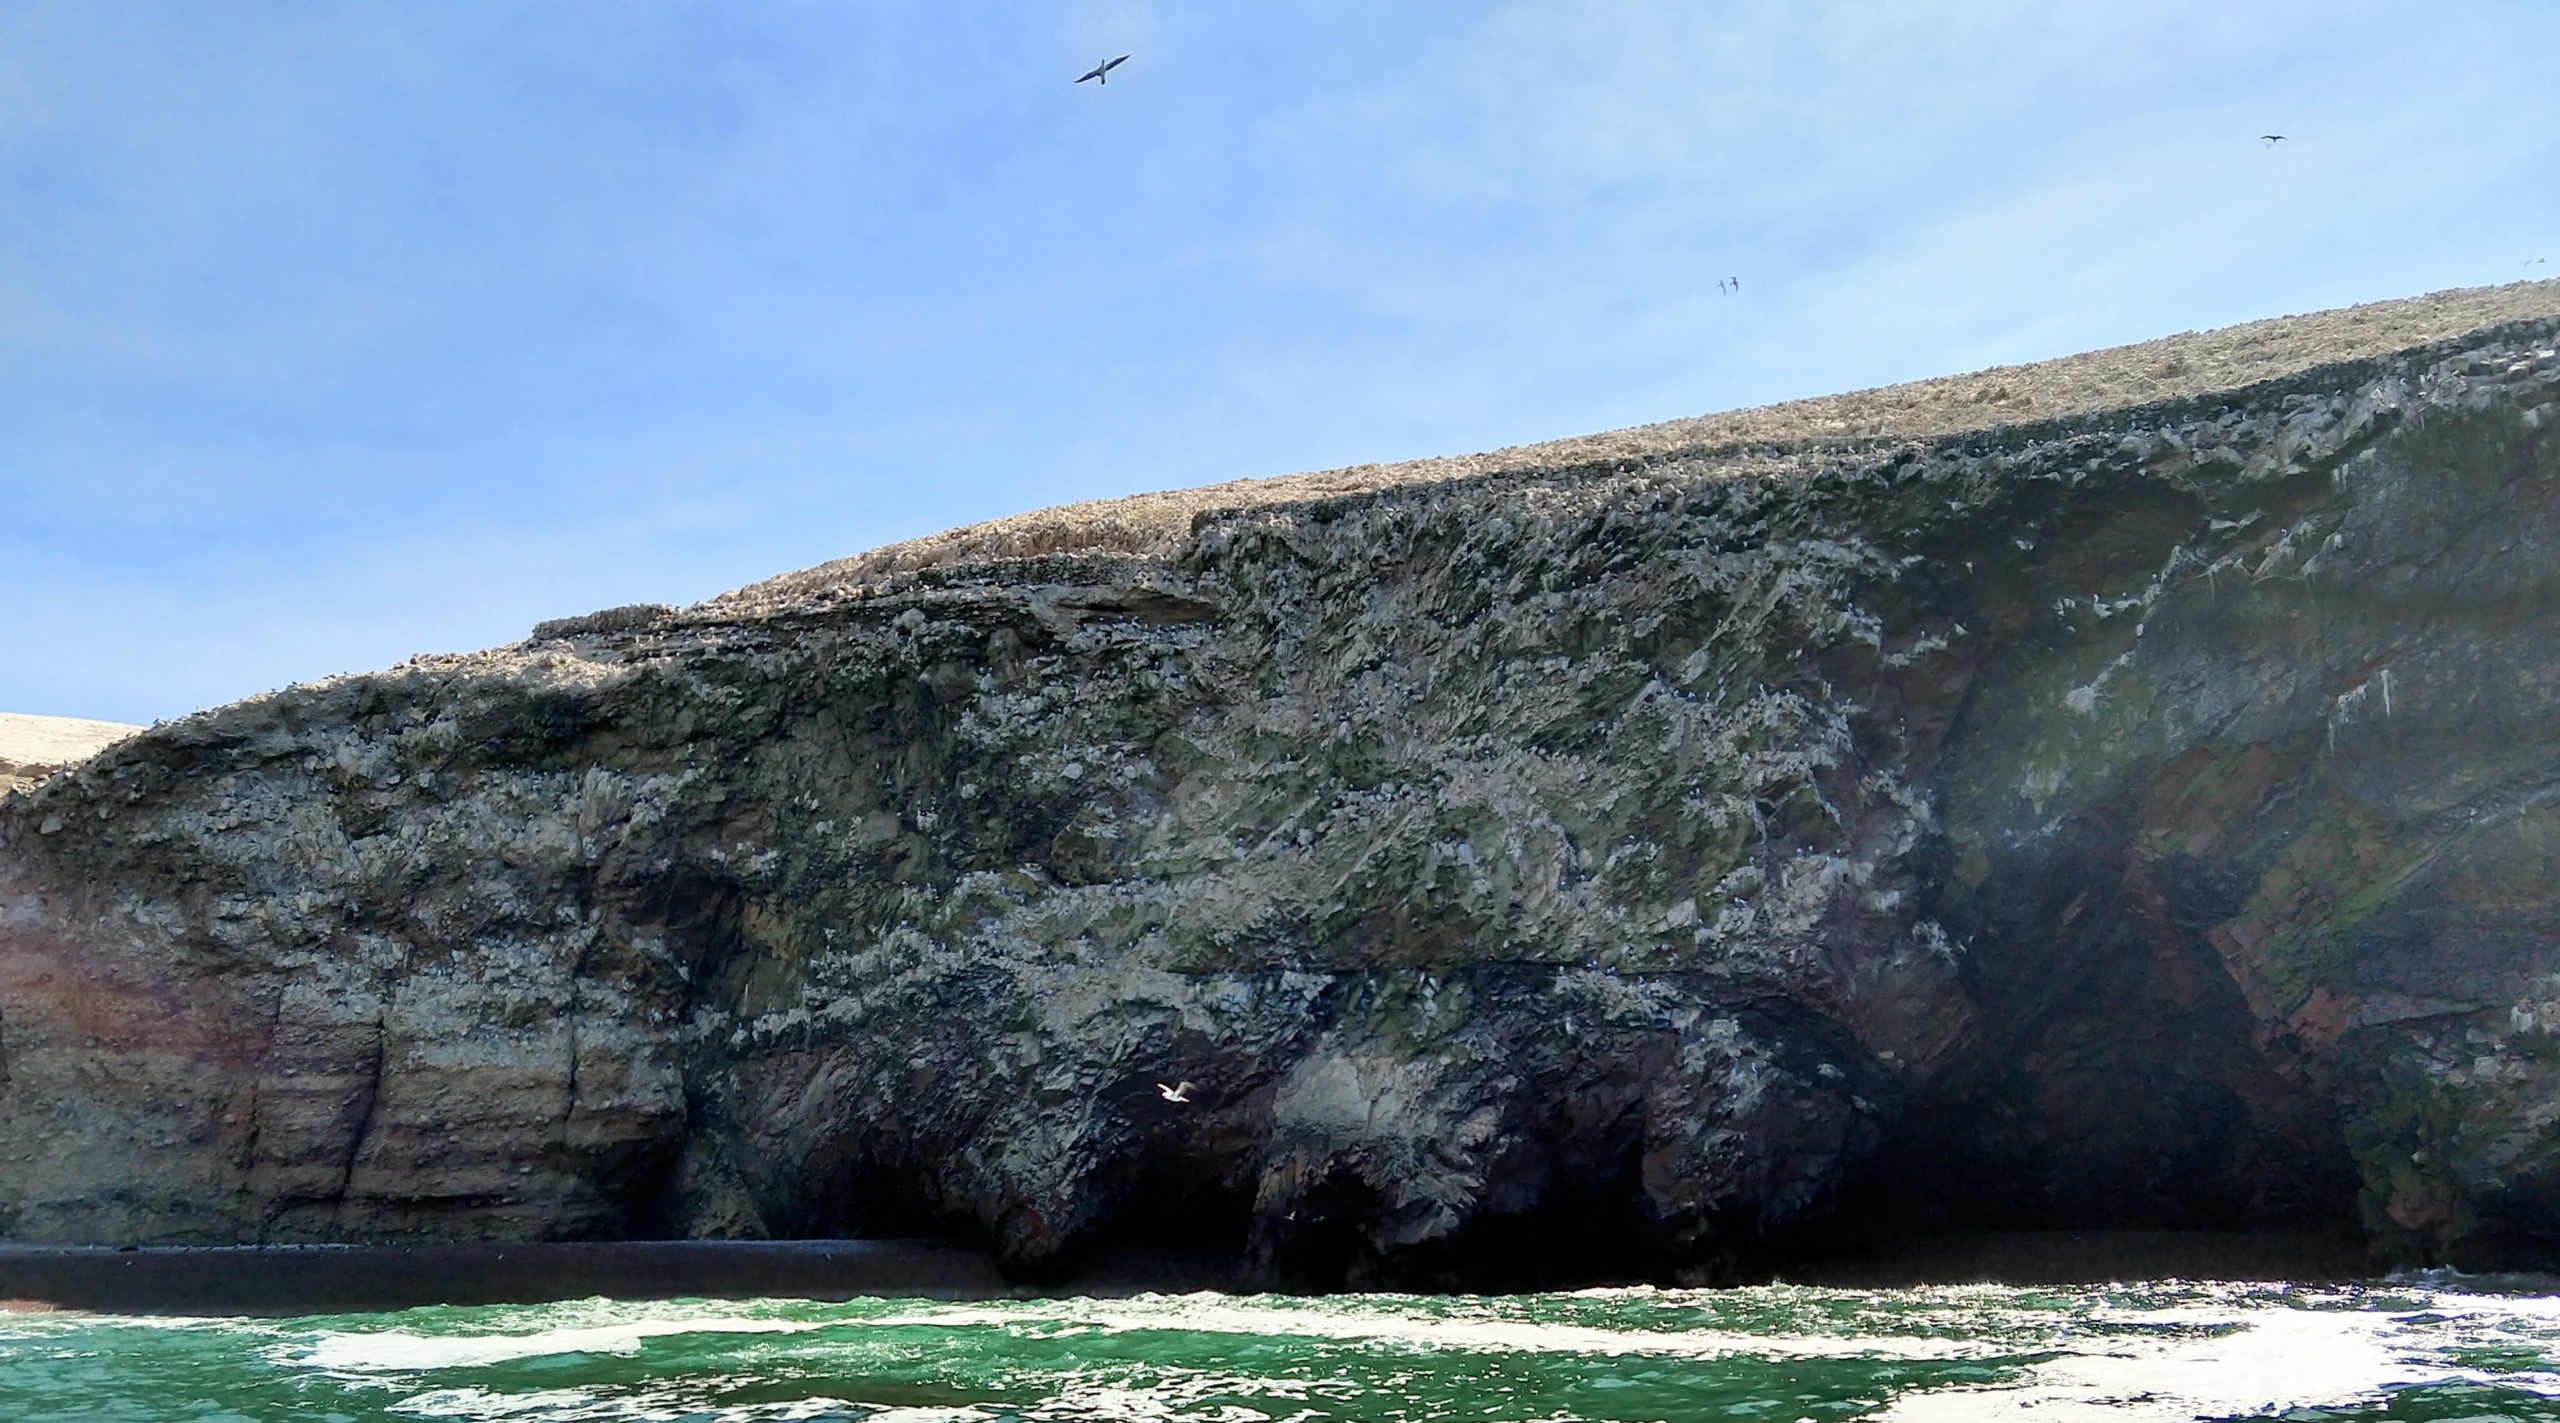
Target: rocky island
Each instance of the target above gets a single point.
(2112, 792)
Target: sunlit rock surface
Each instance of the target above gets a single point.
(2112, 792)
(34, 747)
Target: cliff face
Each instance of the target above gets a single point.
(1626, 855)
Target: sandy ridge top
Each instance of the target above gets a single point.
(2173, 368)
(29, 743)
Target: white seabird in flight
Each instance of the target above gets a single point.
(1174, 1094)
(1103, 70)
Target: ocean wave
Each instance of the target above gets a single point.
(2137, 1352)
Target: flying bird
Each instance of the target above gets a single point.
(1103, 70)
(2271, 139)
(2538, 261)
(1174, 1094)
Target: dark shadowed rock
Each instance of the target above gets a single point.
(2114, 793)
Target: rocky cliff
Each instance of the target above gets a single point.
(2112, 792)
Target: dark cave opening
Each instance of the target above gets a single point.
(1588, 1226)
(2112, 1081)
(1175, 1221)
(1322, 1245)
(2114, 1077)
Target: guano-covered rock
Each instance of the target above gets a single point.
(2112, 792)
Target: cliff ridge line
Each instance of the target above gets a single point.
(2173, 368)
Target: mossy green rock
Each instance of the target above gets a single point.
(2137, 814)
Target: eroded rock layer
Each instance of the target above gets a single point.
(2134, 815)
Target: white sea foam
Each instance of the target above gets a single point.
(403, 1351)
(2213, 1362)
(2172, 1352)
(480, 1405)
(1475, 1332)
(376, 1351)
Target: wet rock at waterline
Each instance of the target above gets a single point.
(2114, 792)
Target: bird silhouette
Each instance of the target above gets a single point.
(2271, 139)
(1103, 70)
(1174, 1094)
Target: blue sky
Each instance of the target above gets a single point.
(333, 333)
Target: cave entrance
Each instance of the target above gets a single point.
(1590, 1226)
(2115, 1079)
(1175, 1224)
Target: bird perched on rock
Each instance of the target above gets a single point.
(1103, 70)
(1174, 1094)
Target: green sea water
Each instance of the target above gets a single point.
(1781, 1353)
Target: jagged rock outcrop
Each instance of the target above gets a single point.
(2109, 792)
